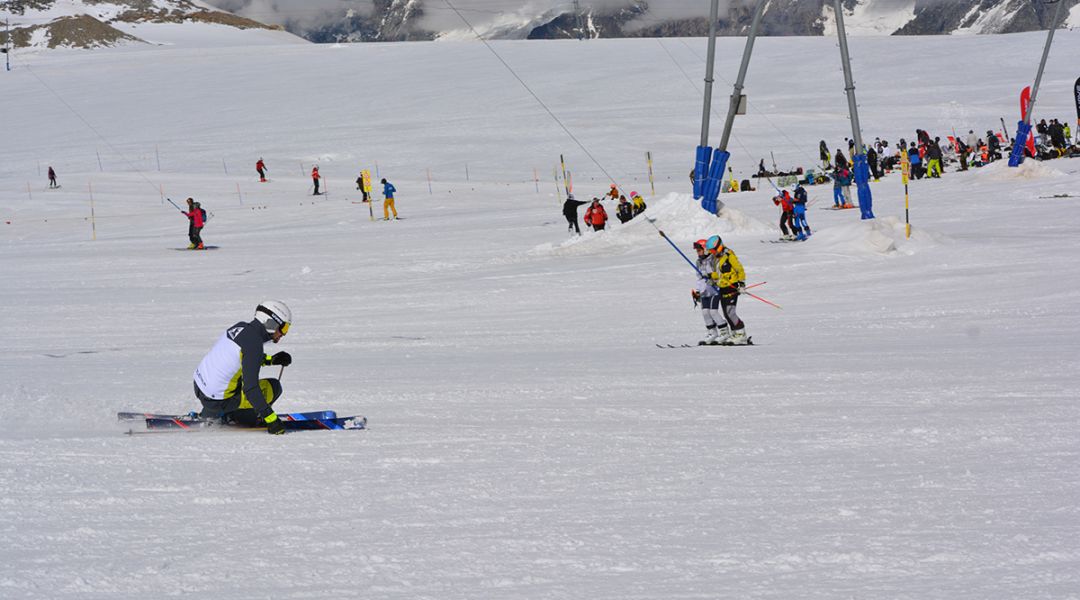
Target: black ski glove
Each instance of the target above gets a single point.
(281, 358)
(275, 426)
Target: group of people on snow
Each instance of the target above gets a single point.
(793, 223)
(596, 216)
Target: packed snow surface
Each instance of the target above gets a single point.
(904, 427)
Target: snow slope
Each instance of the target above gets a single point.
(906, 427)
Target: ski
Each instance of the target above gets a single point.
(782, 241)
(749, 342)
(297, 416)
(187, 423)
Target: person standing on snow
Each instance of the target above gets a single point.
(315, 177)
(823, 151)
(52, 179)
(787, 215)
(261, 168)
(569, 210)
(798, 209)
(625, 211)
(388, 203)
(838, 188)
(196, 219)
(708, 295)
(638, 202)
(227, 379)
(595, 216)
(613, 193)
(728, 275)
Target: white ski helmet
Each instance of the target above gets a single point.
(274, 315)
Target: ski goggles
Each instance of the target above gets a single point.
(284, 329)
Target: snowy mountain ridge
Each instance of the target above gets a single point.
(93, 23)
(390, 20)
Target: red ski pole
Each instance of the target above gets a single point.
(756, 297)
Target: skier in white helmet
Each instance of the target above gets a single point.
(227, 380)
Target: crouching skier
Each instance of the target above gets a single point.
(706, 293)
(728, 275)
(227, 380)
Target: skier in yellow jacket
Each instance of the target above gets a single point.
(728, 275)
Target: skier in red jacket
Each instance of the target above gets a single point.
(196, 219)
(596, 216)
(261, 168)
(315, 179)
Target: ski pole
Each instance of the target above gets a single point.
(690, 262)
(174, 205)
(756, 297)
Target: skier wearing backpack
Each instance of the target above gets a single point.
(196, 219)
(227, 380)
(730, 279)
(261, 168)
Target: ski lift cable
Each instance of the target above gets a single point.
(93, 129)
(800, 149)
(533, 94)
(695, 86)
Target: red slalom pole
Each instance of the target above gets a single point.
(756, 297)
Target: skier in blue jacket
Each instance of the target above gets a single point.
(388, 204)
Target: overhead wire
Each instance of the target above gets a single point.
(547, 109)
(799, 148)
(89, 126)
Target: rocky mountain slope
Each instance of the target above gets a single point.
(100, 23)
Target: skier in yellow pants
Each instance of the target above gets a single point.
(388, 203)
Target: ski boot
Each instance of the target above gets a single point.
(738, 338)
(191, 246)
(710, 337)
(722, 336)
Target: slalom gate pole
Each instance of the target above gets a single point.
(652, 184)
(93, 220)
(563, 162)
(536, 180)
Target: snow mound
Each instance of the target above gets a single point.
(679, 216)
(882, 236)
(1029, 169)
